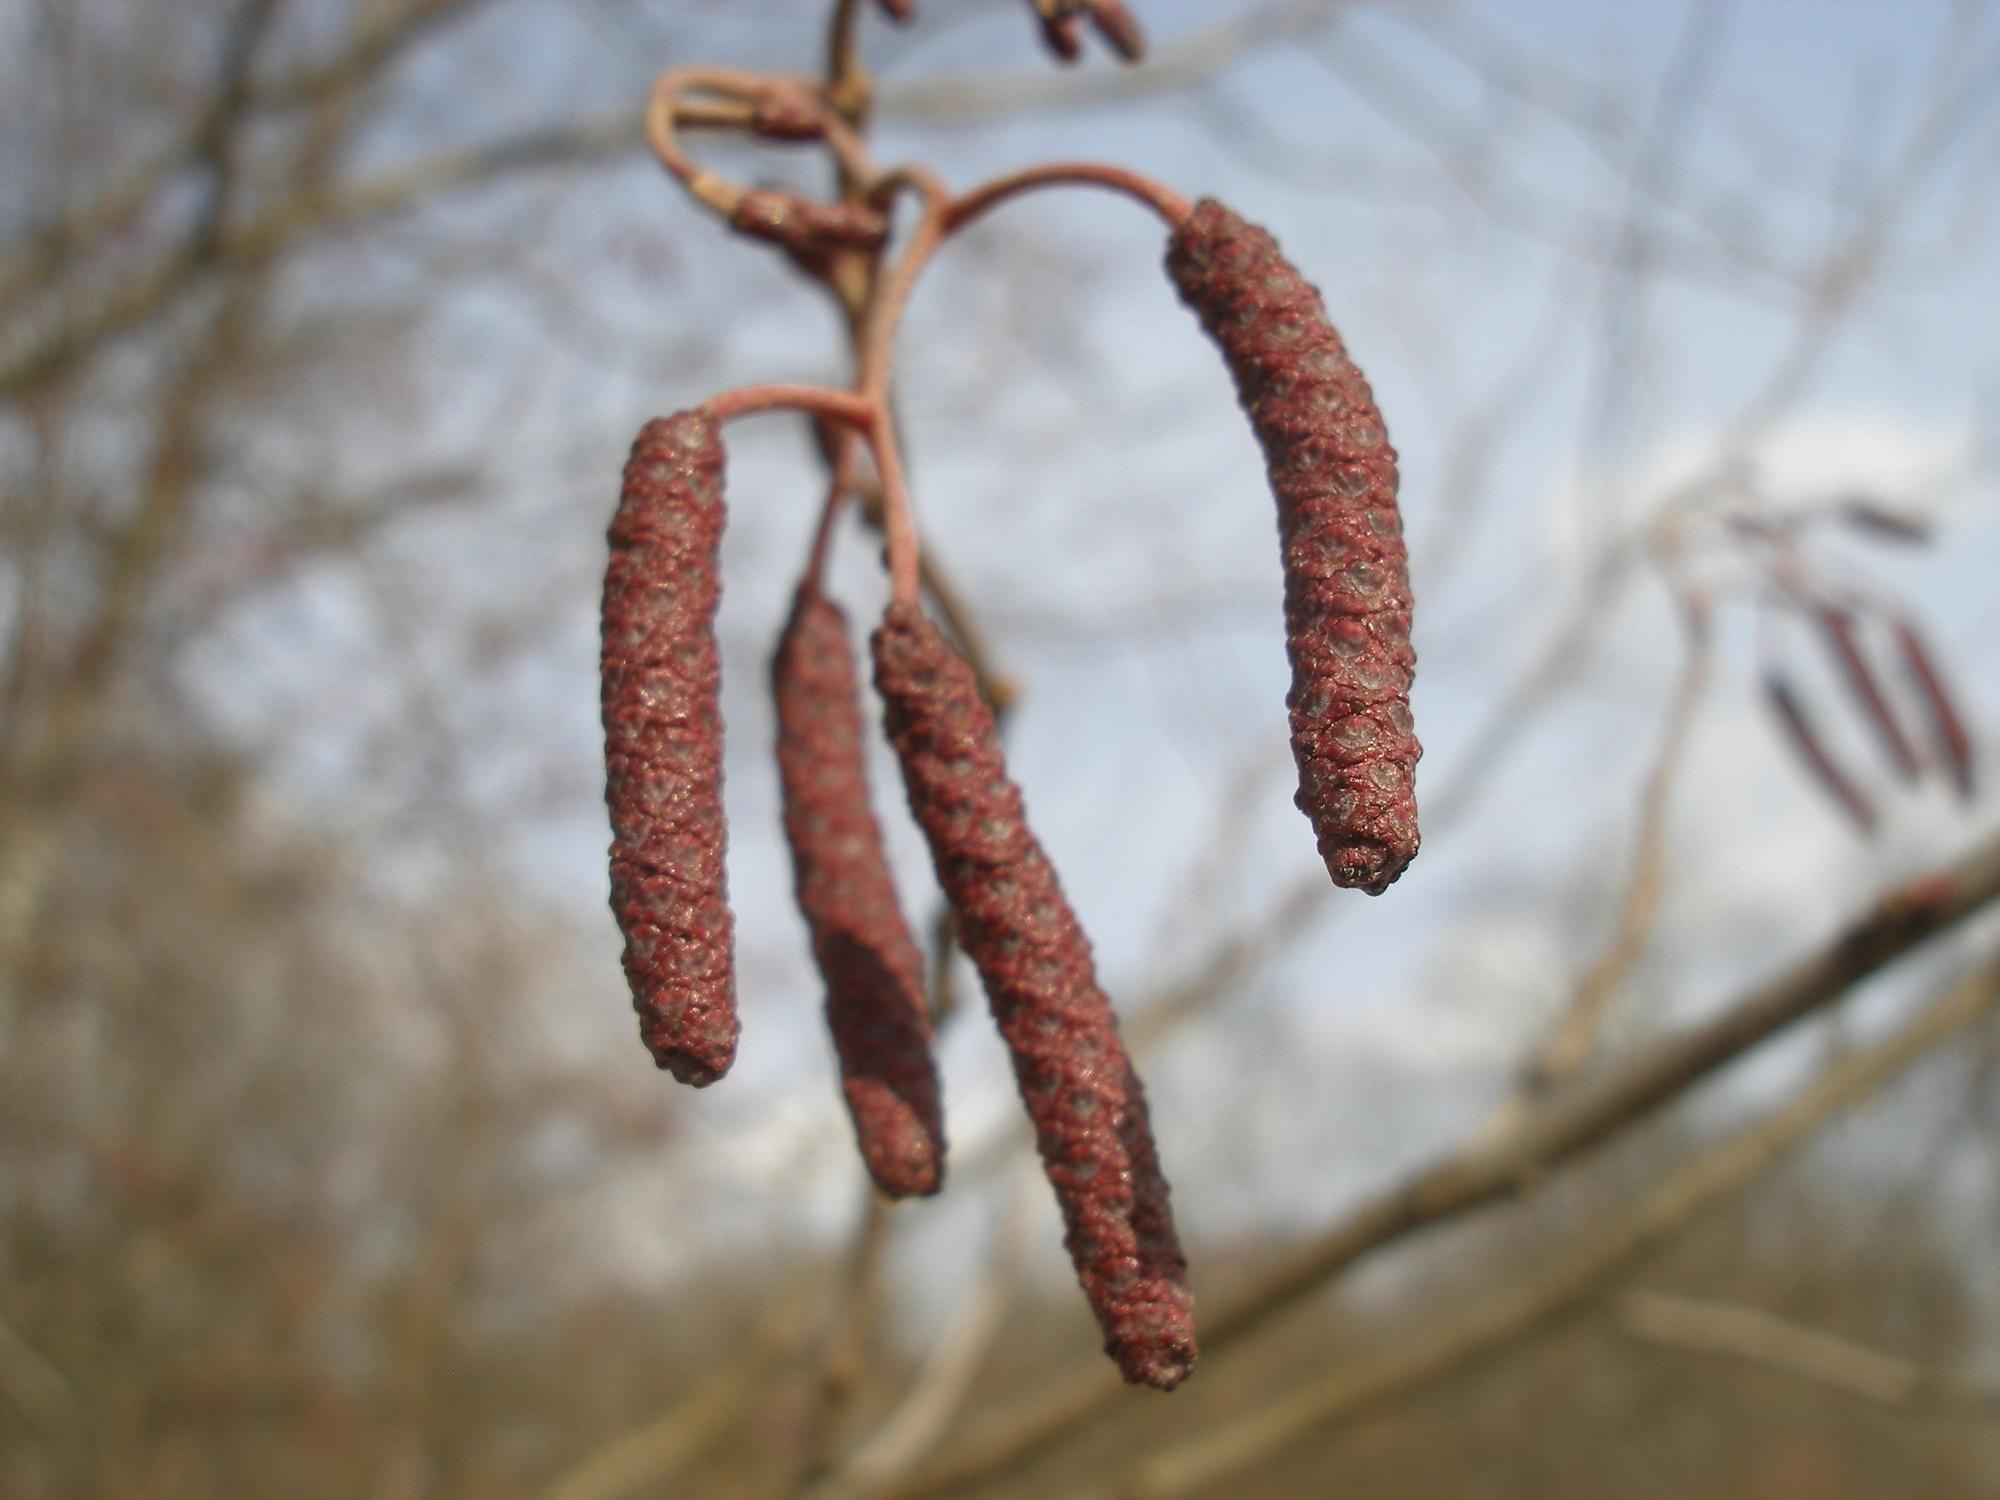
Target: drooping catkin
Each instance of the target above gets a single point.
(1347, 590)
(663, 747)
(870, 964)
(1086, 1102)
(1838, 627)
(1948, 731)
(1805, 739)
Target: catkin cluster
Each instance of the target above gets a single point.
(1347, 614)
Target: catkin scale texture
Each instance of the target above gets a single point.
(869, 962)
(1347, 590)
(663, 747)
(1014, 923)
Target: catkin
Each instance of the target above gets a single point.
(870, 964)
(1805, 739)
(1086, 1102)
(1347, 590)
(1954, 742)
(663, 747)
(1843, 640)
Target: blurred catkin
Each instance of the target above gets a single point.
(1803, 735)
(1844, 641)
(663, 747)
(1347, 590)
(1948, 731)
(1086, 1102)
(870, 964)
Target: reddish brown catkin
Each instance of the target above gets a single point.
(663, 747)
(872, 968)
(1948, 729)
(1844, 641)
(1811, 748)
(1086, 1102)
(1347, 588)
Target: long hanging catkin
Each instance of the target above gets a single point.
(663, 747)
(872, 969)
(1347, 591)
(1086, 1102)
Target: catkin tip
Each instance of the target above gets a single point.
(696, 1070)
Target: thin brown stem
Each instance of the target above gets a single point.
(1570, 1043)
(1162, 200)
(818, 400)
(877, 348)
(839, 486)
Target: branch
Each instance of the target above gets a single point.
(1563, 1286)
(1568, 1047)
(1755, 1337)
(900, 1440)
(1900, 920)
(307, 212)
(375, 44)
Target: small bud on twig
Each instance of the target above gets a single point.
(804, 227)
(787, 114)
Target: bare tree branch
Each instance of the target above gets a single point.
(1695, 1325)
(1896, 923)
(1566, 1283)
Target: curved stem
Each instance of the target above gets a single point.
(667, 109)
(892, 293)
(1162, 200)
(899, 526)
(878, 347)
(846, 74)
(838, 487)
(662, 107)
(821, 401)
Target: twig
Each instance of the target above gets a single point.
(654, 1452)
(844, 1356)
(1569, 1044)
(1755, 1337)
(902, 1439)
(375, 43)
